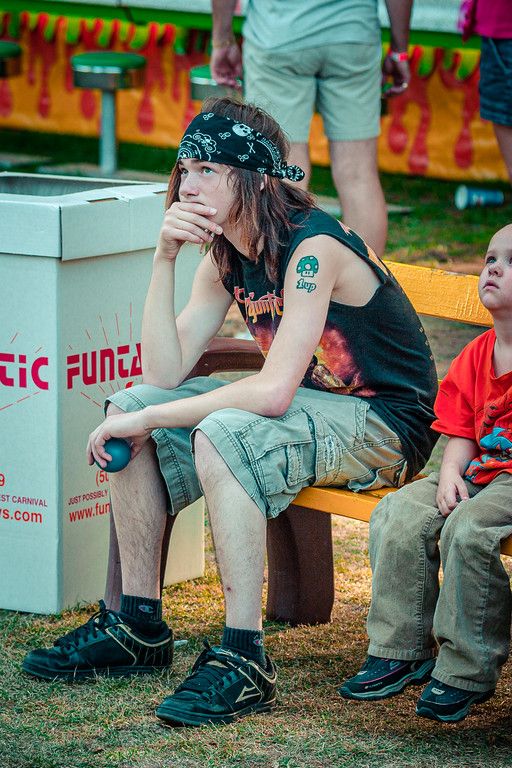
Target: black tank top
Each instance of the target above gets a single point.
(377, 352)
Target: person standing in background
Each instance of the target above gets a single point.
(493, 21)
(299, 55)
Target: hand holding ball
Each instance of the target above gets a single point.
(120, 452)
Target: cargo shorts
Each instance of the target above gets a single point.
(322, 439)
(341, 81)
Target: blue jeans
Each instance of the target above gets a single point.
(469, 615)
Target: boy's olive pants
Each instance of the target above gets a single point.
(469, 615)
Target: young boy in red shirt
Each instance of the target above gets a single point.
(458, 518)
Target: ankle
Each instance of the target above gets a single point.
(143, 614)
(246, 642)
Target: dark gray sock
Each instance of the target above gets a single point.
(143, 614)
(247, 642)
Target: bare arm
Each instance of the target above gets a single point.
(270, 391)
(399, 12)
(226, 58)
(170, 346)
(457, 455)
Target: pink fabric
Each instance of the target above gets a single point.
(494, 18)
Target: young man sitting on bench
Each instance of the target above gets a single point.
(344, 398)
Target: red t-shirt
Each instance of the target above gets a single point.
(472, 402)
(494, 18)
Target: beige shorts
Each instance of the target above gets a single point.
(322, 439)
(340, 81)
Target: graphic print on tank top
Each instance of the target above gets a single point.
(332, 367)
(495, 438)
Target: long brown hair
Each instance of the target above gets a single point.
(262, 214)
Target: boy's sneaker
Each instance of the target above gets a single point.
(222, 687)
(382, 678)
(448, 704)
(105, 645)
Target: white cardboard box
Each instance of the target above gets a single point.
(73, 277)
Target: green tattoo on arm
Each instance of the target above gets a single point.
(308, 266)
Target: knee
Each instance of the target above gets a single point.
(205, 455)
(391, 516)
(401, 520)
(113, 410)
(360, 169)
(462, 532)
(202, 445)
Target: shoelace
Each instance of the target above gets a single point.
(91, 628)
(204, 673)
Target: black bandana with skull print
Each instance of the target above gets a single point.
(218, 139)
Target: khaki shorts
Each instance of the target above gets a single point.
(322, 439)
(340, 81)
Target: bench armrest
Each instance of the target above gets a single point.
(228, 354)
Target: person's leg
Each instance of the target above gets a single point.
(299, 155)
(356, 178)
(404, 557)
(349, 102)
(472, 618)
(495, 92)
(504, 138)
(158, 481)
(253, 467)
(139, 504)
(284, 85)
(237, 676)
(239, 531)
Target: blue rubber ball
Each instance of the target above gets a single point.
(120, 452)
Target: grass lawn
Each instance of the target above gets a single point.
(110, 723)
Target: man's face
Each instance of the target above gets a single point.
(495, 283)
(209, 184)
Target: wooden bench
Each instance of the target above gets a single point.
(299, 541)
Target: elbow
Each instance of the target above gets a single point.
(157, 379)
(277, 401)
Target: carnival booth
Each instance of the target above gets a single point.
(434, 129)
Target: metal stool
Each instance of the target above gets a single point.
(202, 84)
(108, 71)
(10, 59)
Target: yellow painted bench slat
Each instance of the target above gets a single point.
(358, 506)
(438, 293)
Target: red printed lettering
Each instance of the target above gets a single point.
(105, 364)
(14, 371)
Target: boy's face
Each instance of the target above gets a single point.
(495, 283)
(209, 184)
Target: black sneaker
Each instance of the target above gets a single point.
(382, 678)
(448, 704)
(222, 687)
(105, 645)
